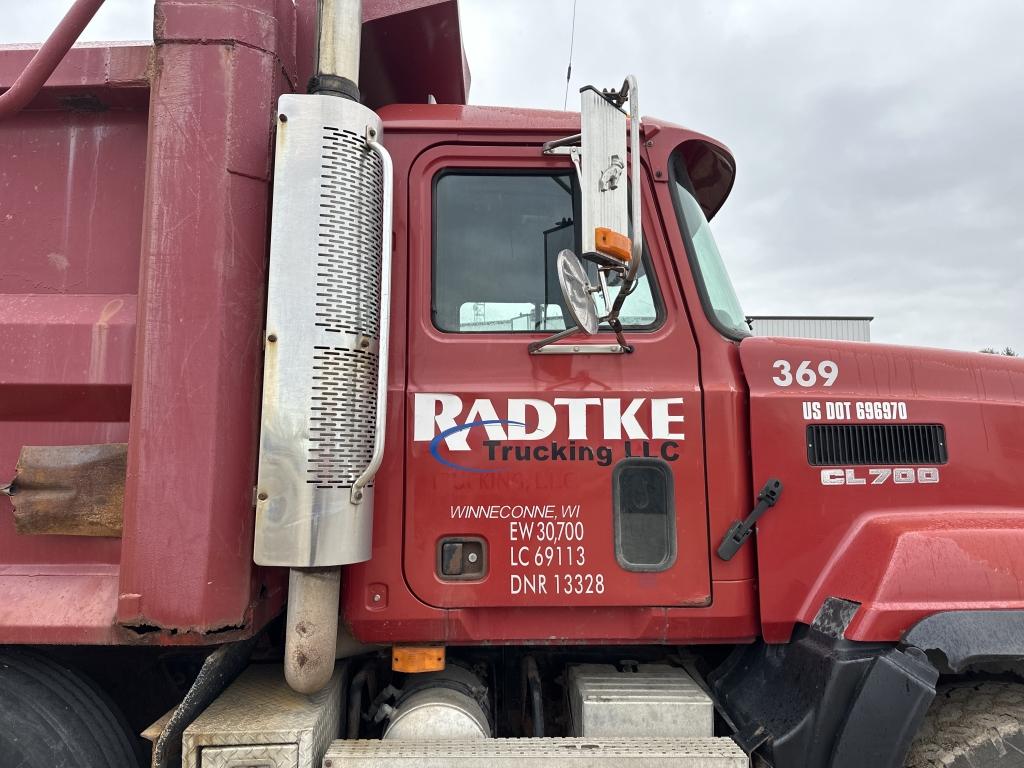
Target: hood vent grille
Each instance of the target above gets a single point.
(877, 444)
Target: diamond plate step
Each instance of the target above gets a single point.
(538, 753)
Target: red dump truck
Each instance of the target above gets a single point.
(347, 424)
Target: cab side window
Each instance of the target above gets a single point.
(496, 239)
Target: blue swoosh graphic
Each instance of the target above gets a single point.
(436, 442)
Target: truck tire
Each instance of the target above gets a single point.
(978, 724)
(50, 717)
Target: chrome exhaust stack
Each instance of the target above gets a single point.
(326, 343)
(338, 37)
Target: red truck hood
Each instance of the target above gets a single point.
(886, 519)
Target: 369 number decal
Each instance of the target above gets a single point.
(805, 375)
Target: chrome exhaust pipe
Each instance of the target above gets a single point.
(325, 365)
(338, 36)
(311, 627)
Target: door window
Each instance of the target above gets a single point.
(496, 239)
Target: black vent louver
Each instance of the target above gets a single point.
(878, 444)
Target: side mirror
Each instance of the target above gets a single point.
(599, 153)
(576, 290)
(578, 295)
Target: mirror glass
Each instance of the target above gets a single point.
(579, 297)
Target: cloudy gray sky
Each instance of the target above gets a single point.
(880, 167)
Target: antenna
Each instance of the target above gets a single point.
(572, 40)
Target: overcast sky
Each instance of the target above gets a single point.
(879, 144)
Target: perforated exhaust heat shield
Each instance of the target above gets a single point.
(326, 335)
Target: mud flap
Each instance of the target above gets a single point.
(822, 702)
(218, 671)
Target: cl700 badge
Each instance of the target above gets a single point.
(880, 476)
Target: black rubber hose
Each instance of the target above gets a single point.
(536, 694)
(364, 678)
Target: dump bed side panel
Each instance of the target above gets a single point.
(71, 188)
(134, 204)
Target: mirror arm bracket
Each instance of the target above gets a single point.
(549, 347)
(569, 145)
(563, 146)
(604, 287)
(616, 327)
(536, 346)
(549, 344)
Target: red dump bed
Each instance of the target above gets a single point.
(134, 201)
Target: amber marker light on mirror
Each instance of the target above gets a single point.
(613, 243)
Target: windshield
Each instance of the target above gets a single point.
(717, 293)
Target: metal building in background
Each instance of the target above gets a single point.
(840, 328)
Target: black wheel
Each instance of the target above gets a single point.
(976, 724)
(51, 717)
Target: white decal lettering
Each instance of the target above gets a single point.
(881, 476)
(852, 479)
(615, 420)
(831, 477)
(483, 410)
(546, 419)
(806, 376)
(662, 420)
(535, 419)
(426, 417)
(577, 415)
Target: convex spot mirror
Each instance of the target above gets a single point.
(577, 292)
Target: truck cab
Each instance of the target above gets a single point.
(578, 491)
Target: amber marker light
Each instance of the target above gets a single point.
(613, 243)
(417, 658)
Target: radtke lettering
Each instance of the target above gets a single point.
(444, 418)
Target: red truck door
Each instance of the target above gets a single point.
(553, 479)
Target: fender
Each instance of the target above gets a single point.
(968, 638)
(903, 566)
